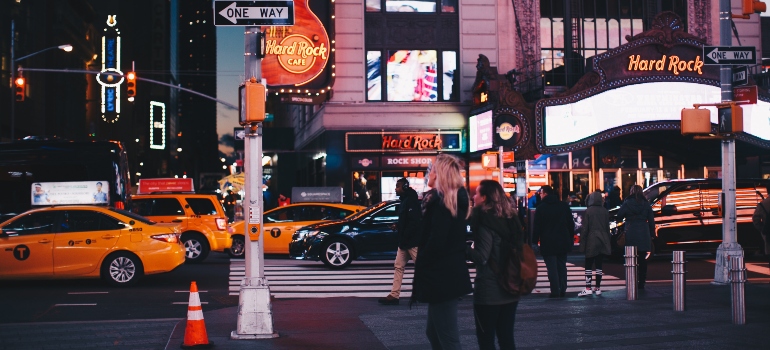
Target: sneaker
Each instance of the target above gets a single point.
(388, 300)
(598, 291)
(585, 292)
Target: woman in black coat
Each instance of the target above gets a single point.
(494, 309)
(440, 274)
(639, 227)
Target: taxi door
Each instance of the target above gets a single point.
(26, 245)
(279, 226)
(84, 238)
(164, 209)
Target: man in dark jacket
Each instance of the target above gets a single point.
(554, 229)
(409, 228)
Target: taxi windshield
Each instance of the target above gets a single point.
(134, 216)
(366, 211)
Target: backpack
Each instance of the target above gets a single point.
(517, 269)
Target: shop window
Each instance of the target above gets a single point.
(424, 6)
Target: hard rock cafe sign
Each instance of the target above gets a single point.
(297, 57)
(412, 142)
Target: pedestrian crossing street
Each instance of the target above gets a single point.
(371, 279)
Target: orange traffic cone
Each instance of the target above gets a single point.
(195, 335)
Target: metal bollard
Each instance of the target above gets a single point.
(679, 280)
(737, 278)
(630, 272)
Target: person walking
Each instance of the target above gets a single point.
(595, 240)
(760, 217)
(409, 229)
(554, 229)
(639, 227)
(440, 274)
(230, 202)
(494, 309)
(613, 199)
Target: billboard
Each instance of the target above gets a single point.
(481, 131)
(75, 192)
(316, 194)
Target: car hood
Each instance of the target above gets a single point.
(324, 225)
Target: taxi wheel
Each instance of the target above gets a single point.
(122, 269)
(238, 249)
(196, 247)
(337, 254)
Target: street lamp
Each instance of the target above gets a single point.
(66, 48)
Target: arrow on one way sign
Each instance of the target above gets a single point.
(248, 13)
(729, 55)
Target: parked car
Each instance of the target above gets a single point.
(367, 235)
(280, 223)
(687, 215)
(201, 217)
(87, 242)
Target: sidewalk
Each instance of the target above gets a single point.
(607, 321)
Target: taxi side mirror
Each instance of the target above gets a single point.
(668, 209)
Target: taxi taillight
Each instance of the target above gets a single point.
(168, 237)
(221, 224)
(119, 205)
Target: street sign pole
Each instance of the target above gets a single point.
(729, 246)
(500, 166)
(255, 318)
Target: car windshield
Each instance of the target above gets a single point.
(134, 216)
(365, 212)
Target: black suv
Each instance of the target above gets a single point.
(364, 235)
(687, 215)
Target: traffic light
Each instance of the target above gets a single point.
(131, 85)
(730, 118)
(489, 160)
(20, 88)
(751, 7)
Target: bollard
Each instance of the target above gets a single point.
(630, 272)
(679, 280)
(737, 279)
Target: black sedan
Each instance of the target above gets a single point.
(368, 234)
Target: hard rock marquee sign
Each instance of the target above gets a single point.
(443, 141)
(299, 59)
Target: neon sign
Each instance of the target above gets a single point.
(296, 53)
(674, 65)
(412, 142)
(110, 76)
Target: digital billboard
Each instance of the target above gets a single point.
(481, 131)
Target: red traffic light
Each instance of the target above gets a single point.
(19, 89)
(131, 85)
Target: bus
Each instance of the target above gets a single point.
(26, 164)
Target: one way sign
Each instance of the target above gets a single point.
(729, 55)
(253, 13)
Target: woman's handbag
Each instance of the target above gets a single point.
(621, 239)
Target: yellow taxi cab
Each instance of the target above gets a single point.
(87, 242)
(281, 223)
(201, 217)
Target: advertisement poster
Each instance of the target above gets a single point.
(78, 192)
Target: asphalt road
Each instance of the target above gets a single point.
(165, 296)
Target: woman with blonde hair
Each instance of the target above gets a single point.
(440, 274)
(494, 309)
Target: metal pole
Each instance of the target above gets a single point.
(737, 283)
(500, 166)
(729, 246)
(630, 272)
(679, 280)
(255, 318)
(13, 76)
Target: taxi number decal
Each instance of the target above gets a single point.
(134, 229)
(195, 216)
(21, 252)
(275, 232)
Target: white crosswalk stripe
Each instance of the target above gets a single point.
(373, 279)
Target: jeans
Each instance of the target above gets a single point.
(442, 330)
(402, 257)
(494, 320)
(557, 272)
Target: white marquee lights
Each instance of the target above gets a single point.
(641, 103)
(157, 126)
(110, 76)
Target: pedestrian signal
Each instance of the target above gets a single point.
(750, 7)
(20, 86)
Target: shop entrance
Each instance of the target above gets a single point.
(571, 186)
